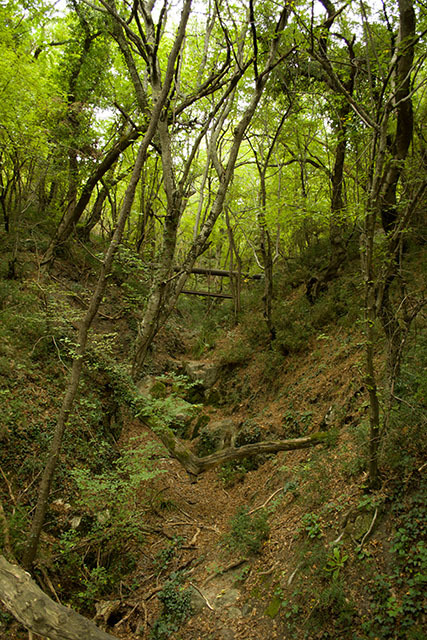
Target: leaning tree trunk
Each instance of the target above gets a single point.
(265, 244)
(338, 253)
(73, 214)
(38, 613)
(159, 292)
(48, 473)
(73, 382)
(390, 215)
(196, 465)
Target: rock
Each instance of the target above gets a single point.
(247, 608)
(227, 598)
(180, 415)
(105, 609)
(75, 522)
(201, 422)
(158, 390)
(196, 601)
(361, 525)
(216, 436)
(102, 517)
(145, 384)
(214, 397)
(202, 373)
(61, 505)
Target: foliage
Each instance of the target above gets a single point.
(96, 583)
(405, 444)
(248, 532)
(114, 492)
(336, 562)
(176, 601)
(164, 557)
(296, 423)
(397, 596)
(208, 441)
(235, 353)
(234, 471)
(311, 525)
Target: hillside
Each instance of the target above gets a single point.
(286, 545)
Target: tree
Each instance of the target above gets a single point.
(38, 613)
(385, 106)
(158, 307)
(105, 269)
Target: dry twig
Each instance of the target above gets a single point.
(208, 604)
(266, 502)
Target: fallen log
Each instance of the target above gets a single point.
(210, 294)
(195, 465)
(223, 273)
(38, 613)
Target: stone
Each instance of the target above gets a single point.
(75, 522)
(158, 390)
(144, 386)
(196, 601)
(216, 436)
(102, 517)
(234, 613)
(183, 412)
(226, 598)
(202, 373)
(201, 422)
(214, 397)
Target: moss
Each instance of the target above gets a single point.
(274, 607)
(158, 390)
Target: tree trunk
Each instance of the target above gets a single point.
(48, 473)
(158, 310)
(235, 276)
(195, 465)
(73, 215)
(73, 382)
(338, 253)
(38, 613)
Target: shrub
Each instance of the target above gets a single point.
(176, 603)
(248, 532)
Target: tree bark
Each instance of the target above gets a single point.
(221, 272)
(209, 294)
(73, 382)
(162, 312)
(195, 465)
(319, 282)
(55, 448)
(405, 119)
(73, 215)
(38, 613)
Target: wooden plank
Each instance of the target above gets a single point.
(210, 294)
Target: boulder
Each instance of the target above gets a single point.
(216, 436)
(145, 385)
(204, 374)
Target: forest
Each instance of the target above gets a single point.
(212, 319)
